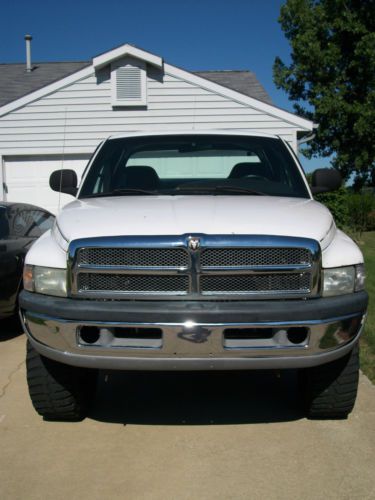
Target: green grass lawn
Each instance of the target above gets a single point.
(368, 339)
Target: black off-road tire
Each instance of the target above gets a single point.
(58, 391)
(330, 390)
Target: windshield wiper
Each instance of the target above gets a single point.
(219, 189)
(121, 191)
(133, 191)
(191, 189)
(238, 189)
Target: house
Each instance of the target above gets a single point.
(53, 115)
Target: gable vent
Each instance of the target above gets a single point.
(129, 83)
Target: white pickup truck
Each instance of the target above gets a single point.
(193, 251)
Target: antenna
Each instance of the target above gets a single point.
(62, 158)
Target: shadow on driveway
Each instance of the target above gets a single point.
(197, 398)
(10, 328)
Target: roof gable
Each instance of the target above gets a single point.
(15, 82)
(231, 84)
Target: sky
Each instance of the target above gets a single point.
(192, 34)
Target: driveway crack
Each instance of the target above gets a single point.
(10, 376)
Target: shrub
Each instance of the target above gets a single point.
(337, 203)
(360, 208)
(371, 221)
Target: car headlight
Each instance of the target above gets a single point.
(342, 280)
(46, 280)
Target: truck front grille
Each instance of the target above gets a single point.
(254, 257)
(225, 266)
(134, 257)
(134, 283)
(261, 283)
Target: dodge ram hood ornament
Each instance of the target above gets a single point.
(194, 243)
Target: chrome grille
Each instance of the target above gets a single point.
(254, 257)
(256, 283)
(224, 266)
(135, 283)
(134, 257)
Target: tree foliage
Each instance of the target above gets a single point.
(331, 78)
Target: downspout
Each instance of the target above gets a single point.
(307, 138)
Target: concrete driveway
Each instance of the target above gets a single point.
(182, 436)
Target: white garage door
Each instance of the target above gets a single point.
(27, 179)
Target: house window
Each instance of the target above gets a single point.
(129, 84)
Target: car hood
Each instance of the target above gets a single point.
(176, 215)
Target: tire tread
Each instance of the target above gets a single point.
(330, 390)
(57, 391)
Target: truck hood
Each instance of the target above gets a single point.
(175, 215)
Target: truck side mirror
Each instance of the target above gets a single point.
(64, 181)
(325, 180)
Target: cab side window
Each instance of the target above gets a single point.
(44, 221)
(17, 223)
(4, 224)
(30, 223)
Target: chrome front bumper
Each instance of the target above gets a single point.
(192, 345)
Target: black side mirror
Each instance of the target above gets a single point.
(325, 180)
(65, 181)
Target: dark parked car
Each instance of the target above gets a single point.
(20, 226)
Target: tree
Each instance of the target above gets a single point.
(331, 78)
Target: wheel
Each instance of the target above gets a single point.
(58, 391)
(330, 390)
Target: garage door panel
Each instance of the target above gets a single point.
(27, 180)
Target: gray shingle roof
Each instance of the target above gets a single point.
(244, 82)
(15, 82)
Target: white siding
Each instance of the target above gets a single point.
(81, 115)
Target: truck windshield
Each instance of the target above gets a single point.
(194, 164)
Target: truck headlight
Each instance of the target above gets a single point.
(342, 280)
(360, 277)
(46, 280)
